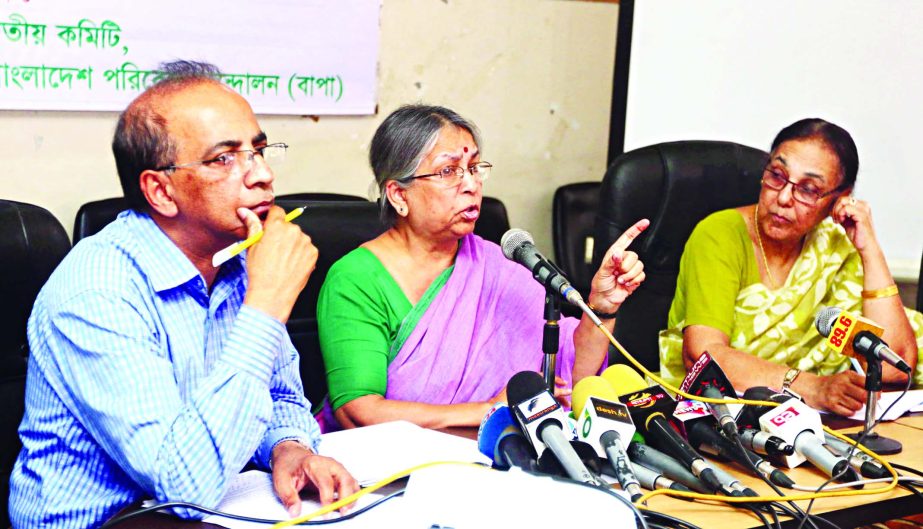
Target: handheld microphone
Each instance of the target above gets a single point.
(706, 378)
(518, 246)
(604, 423)
(765, 443)
(800, 426)
(855, 336)
(500, 439)
(703, 436)
(652, 480)
(542, 421)
(650, 457)
(548, 463)
(861, 462)
(649, 408)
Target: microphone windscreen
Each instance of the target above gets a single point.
(523, 386)
(623, 379)
(512, 239)
(593, 386)
(825, 319)
(492, 426)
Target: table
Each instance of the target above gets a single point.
(846, 511)
(850, 511)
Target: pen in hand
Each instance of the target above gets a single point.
(224, 255)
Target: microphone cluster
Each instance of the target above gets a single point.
(644, 438)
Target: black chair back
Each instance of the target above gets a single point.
(573, 226)
(493, 222)
(336, 228)
(314, 197)
(94, 216)
(32, 243)
(675, 185)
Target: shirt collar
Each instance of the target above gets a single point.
(162, 260)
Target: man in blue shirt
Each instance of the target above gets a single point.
(152, 372)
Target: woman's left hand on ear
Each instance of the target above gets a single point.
(856, 217)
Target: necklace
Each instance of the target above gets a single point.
(759, 240)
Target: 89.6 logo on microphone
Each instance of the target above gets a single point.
(839, 332)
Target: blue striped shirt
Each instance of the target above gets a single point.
(142, 383)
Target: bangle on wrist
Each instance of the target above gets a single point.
(602, 315)
(885, 292)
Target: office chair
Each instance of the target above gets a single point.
(94, 216)
(573, 223)
(32, 243)
(336, 228)
(493, 222)
(675, 185)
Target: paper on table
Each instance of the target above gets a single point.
(911, 401)
(376, 452)
(251, 494)
(464, 497)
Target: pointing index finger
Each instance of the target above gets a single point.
(621, 244)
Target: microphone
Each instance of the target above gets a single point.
(542, 421)
(801, 426)
(518, 246)
(864, 464)
(765, 443)
(500, 439)
(649, 408)
(604, 422)
(548, 463)
(648, 456)
(652, 480)
(703, 436)
(855, 336)
(706, 379)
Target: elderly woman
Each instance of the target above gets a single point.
(752, 278)
(428, 322)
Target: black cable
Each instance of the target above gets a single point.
(752, 508)
(670, 520)
(796, 513)
(854, 447)
(206, 510)
(905, 468)
(913, 489)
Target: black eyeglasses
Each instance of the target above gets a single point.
(240, 161)
(452, 175)
(803, 193)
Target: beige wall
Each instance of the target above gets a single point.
(536, 76)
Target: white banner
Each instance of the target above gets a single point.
(284, 56)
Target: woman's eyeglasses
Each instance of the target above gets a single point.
(802, 192)
(452, 175)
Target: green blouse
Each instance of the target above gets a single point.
(362, 318)
(716, 265)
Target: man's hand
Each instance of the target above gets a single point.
(278, 266)
(294, 467)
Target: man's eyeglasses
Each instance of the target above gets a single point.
(803, 193)
(238, 161)
(452, 175)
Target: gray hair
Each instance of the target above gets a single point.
(401, 142)
(141, 140)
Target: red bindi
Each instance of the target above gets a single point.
(465, 148)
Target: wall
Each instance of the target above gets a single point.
(536, 76)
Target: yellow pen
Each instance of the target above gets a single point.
(224, 255)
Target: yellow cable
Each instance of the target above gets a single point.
(355, 496)
(745, 499)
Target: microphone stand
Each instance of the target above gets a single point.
(873, 441)
(550, 335)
